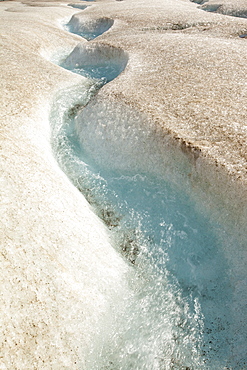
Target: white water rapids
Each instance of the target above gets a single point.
(182, 310)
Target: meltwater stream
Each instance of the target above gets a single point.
(181, 314)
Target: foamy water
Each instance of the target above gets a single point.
(180, 314)
(183, 311)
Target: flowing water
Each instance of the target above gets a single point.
(180, 315)
(181, 311)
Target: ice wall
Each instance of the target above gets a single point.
(226, 7)
(96, 61)
(87, 27)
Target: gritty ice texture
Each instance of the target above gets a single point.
(70, 299)
(59, 272)
(227, 7)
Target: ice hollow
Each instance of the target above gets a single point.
(210, 7)
(199, 1)
(218, 8)
(89, 28)
(225, 7)
(78, 6)
(96, 61)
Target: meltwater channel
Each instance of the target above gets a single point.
(181, 312)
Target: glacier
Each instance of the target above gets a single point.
(124, 187)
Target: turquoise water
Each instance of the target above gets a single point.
(86, 35)
(90, 30)
(182, 313)
(103, 72)
(78, 6)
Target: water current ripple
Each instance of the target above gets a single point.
(181, 315)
